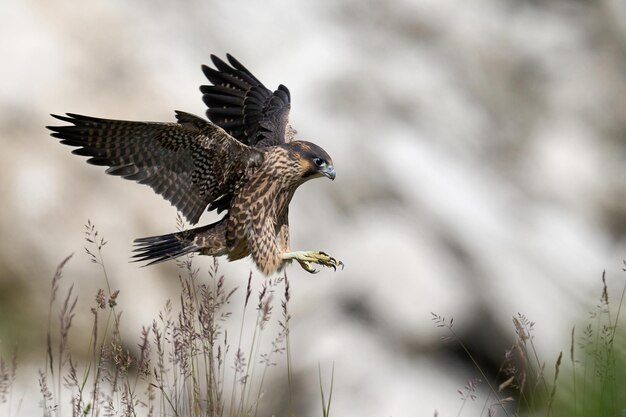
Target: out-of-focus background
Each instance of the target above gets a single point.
(479, 147)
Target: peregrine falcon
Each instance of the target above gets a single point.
(244, 162)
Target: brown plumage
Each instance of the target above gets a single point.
(243, 162)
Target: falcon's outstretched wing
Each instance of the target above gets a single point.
(191, 163)
(240, 104)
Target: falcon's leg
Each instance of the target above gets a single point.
(306, 258)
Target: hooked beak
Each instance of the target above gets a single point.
(329, 172)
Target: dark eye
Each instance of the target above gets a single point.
(318, 161)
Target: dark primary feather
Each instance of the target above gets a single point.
(240, 104)
(191, 163)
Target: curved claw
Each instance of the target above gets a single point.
(307, 267)
(331, 262)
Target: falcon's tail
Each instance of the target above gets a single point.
(156, 249)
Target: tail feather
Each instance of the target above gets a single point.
(156, 249)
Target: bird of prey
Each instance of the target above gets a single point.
(244, 161)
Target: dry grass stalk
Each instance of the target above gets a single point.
(177, 367)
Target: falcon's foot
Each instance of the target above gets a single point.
(306, 258)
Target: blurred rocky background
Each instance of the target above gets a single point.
(479, 146)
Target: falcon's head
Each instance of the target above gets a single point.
(313, 161)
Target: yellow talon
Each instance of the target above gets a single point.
(305, 258)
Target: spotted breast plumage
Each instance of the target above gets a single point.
(244, 161)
